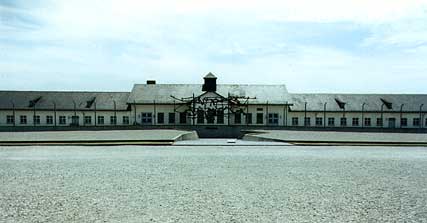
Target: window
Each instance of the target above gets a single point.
(355, 122)
(113, 120)
(220, 117)
(238, 118)
(307, 121)
(23, 119)
(183, 118)
(210, 116)
(379, 122)
(260, 109)
(147, 118)
(200, 116)
(343, 121)
(75, 120)
(160, 118)
(319, 121)
(331, 121)
(125, 120)
(367, 121)
(62, 120)
(404, 122)
(273, 118)
(87, 120)
(416, 122)
(171, 118)
(294, 121)
(259, 118)
(10, 119)
(100, 120)
(49, 119)
(248, 118)
(37, 119)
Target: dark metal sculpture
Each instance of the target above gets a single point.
(211, 107)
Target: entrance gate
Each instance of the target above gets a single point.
(392, 122)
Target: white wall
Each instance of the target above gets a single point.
(253, 109)
(166, 109)
(68, 115)
(351, 115)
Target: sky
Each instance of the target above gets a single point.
(362, 46)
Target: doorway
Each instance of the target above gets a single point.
(392, 122)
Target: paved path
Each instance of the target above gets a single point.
(227, 142)
(319, 137)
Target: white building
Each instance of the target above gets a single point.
(154, 105)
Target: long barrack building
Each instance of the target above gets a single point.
(153, 104)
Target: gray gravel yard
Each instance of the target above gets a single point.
(71, 136)
(330, 136)
(213, 184)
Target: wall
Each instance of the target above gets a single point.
(253, 109)
(68, 114)
(284, 117)
(350, 115)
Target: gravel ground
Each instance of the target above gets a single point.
(329, 136)
(213, 184)
(152, 135)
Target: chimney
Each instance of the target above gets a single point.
(151, 82)
(210, 83)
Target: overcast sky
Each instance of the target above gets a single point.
(361, 46)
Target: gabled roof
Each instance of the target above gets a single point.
(210, 75)
(161, 93)
(63, 100)
(354, 102)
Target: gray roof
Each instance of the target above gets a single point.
(63, 99)
(210, 75)
(161, 93)
(354, 102)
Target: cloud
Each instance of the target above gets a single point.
(322, 46)
(405, 34)
(114, 18)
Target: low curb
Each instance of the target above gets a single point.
(88, 143)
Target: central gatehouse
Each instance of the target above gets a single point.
(210, 106)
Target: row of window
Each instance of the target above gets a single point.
(147, 118)
(87, 120)
(356, 122)
(273, 119)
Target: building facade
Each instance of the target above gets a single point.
(210, 103)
